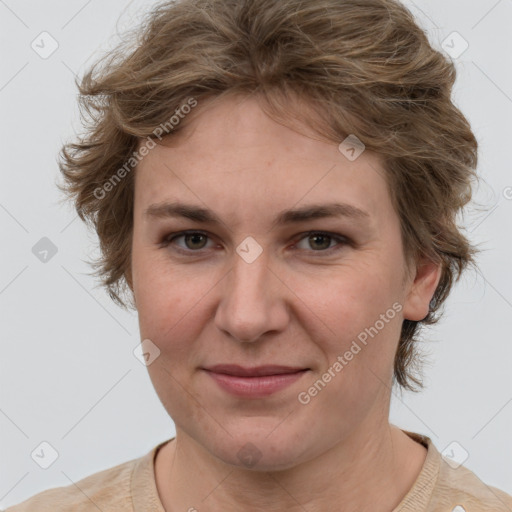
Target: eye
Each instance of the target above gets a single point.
(321, 241)
(194, 241)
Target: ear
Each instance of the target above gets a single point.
(129, 280)
(421, 290)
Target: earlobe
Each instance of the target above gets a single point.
(421, 290)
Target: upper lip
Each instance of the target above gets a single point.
(256, 371)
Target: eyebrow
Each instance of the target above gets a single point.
(296, 215)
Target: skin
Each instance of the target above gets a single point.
(300, 303)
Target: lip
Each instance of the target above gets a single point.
(256, 371)
(256, 382)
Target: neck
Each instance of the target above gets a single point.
(369, 470)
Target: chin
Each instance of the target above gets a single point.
(257, 451)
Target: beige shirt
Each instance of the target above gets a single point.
(131, 487)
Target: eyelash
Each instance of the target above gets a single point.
(342, 241)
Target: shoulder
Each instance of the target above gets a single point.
(109, 489)
(462, 485)
(445, 485)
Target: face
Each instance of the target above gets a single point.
(253, 287)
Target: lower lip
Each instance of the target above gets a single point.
(255, 387)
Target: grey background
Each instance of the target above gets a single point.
(68, 373)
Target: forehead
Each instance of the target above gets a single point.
(238, 161)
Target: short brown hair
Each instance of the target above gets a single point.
(364, 65)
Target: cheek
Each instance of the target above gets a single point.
(349, 299)
(171, 305)
(358, 310)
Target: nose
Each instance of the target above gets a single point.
(253, 300)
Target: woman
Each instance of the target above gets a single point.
(257, 130)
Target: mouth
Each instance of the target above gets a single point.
(256, 382)
(257, 371)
